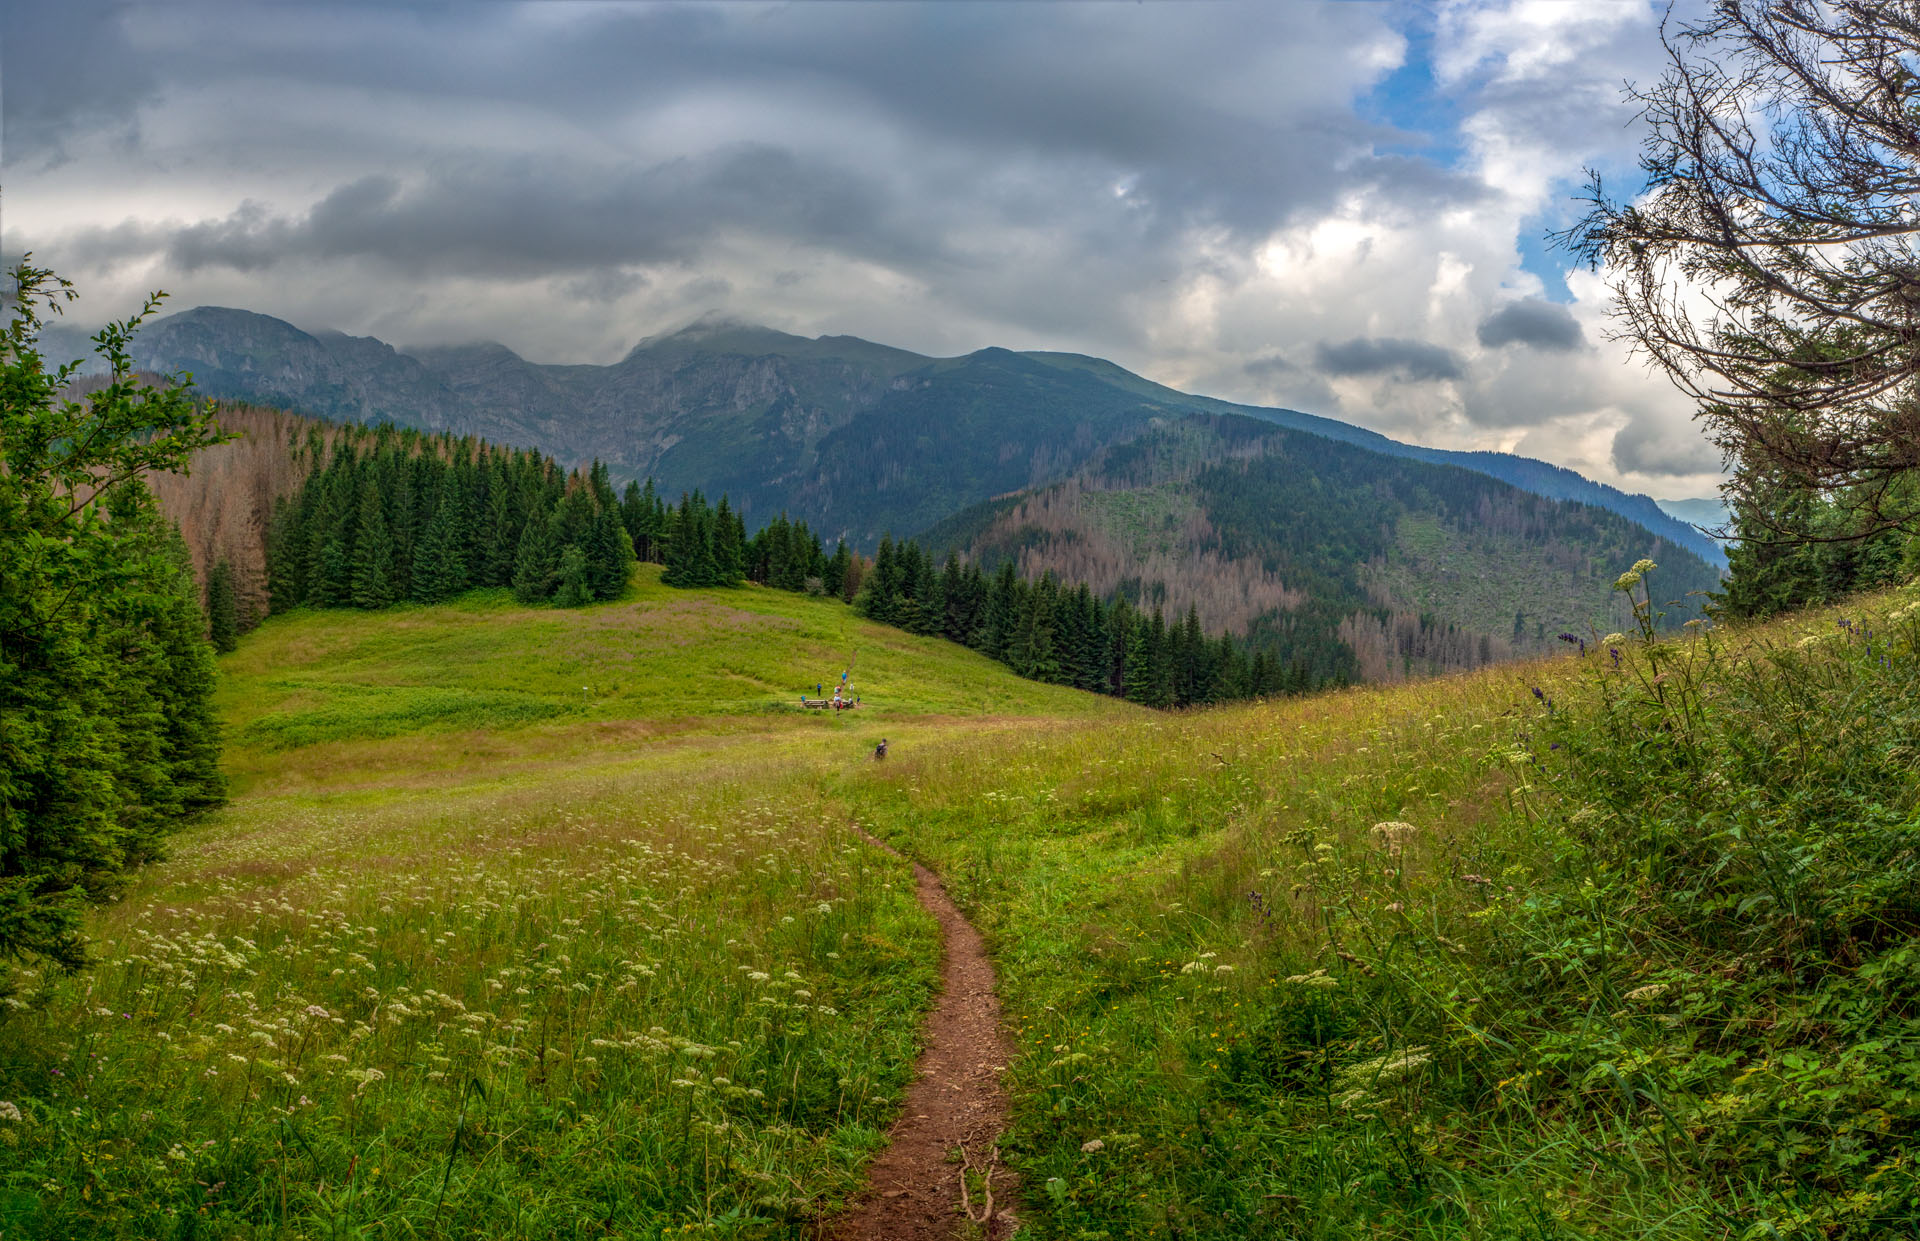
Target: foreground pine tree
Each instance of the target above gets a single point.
(106, 736)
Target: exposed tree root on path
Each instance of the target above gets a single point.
(941, 1178)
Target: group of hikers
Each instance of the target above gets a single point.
(844, 698)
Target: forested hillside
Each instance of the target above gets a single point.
(1335, 558)
(855, 437)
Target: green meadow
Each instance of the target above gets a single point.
(530, 923)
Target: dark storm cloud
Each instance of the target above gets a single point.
(1125, 144)
(1648, 445)
(1535, 323)
(1269, 365)
(1413, 360)
(69, 68)
(528, 217)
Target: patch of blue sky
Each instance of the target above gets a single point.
(1539, 256)
(1424, 122)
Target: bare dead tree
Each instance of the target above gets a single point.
(1770, 268)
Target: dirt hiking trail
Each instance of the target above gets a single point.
(955, 1104)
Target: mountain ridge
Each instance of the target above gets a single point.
(1341, 560)
(765, 415)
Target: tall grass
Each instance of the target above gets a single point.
(477, 952)
(588, 1008)
(1618, 944)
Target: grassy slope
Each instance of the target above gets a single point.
(1242, 1010)
(595, 683)
(473, 953)
(1248, 1010)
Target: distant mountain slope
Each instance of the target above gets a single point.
(1341, 558)
(844, 432)
(1539, 477)
(1710, 512)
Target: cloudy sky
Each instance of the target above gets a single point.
(1337, 208)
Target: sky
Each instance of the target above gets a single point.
(1338, 208)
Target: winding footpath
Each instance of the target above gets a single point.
(956, 1108)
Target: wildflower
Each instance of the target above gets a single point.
(9, 1111)
(1644, 566)
(1652, 991)
(1088, 1148)
(1627, 581)
(314, 1010)
(1614, 639)
(1384, 1068)
(1392, 836)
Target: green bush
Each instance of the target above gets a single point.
(1726, 963)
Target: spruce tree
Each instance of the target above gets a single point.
(574, 589)
(876, 601)
(573, 519)
(402, 523)
(609, 555)
(440, 564)
(645, 519)
(837, 567)
(729, 556)
(680, 534)
(536, 561)
(223, 608)
(505, 519)
(930, 610)
(284, 567)
(334, 588)
(372, 555)
(997, 623)
(953, 600)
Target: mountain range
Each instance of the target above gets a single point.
(854, 437)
